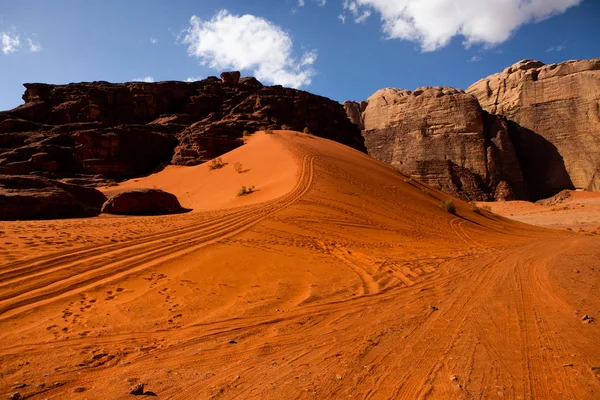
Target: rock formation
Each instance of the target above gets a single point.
(441, 136)
(526, 133)
(558, 106)
(34, 197)
(143, 202)
(88, 132)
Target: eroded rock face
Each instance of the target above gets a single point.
(143, 202)
(441, 136)
(230, 78)
(34, 197)
(120, 131)
(558, 106)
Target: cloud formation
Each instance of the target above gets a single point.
(147, 79)
(248, 42)
(560, 47)
(433, 23)
(33, 46)
(9, 42)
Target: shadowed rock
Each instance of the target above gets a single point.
(34, 197)
(441, 136)
(121, 131)
(230, 78)
(558, 106)
(143, 202)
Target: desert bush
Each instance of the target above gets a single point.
(487, 208)
(409, 180)
(245, 133)
(307, 130)
(239, 168)
(269, 131)
(216, 163)
(474, 208)
(449, 206)
(245, 190)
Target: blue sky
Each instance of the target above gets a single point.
(303, 43)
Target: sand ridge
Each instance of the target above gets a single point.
(349, 282)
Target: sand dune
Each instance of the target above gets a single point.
(338, 278)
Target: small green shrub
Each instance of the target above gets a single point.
(474, 208)
(239, 168)
(245, 133)
(409, 180)
(307, 131)
(487, 208)
(245, 190)
(269, 131)
(216, 163)
(449, 206)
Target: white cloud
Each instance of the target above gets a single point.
(475, 59)
(300, 3)
(362, 17)
(433, 23)
(321, 3)
(153, 40)
(193, 79)
(248, 42)
(560, 47)
(147, 79)
(342, 18)
(10, 42)
(33, 46)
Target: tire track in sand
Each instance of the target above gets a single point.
(58, 278)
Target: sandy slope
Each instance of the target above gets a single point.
(579, 212)
(337, 279)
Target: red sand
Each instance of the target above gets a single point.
(336, 279)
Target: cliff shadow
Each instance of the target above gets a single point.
(543, 167)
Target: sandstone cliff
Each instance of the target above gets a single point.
(87, 132)
(526, 133)
(441, 136)
(559, 107)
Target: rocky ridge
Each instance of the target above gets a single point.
(89, 133)
(558, 105)
(519, 134)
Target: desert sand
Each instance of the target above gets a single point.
(571, 210)
(337, 278)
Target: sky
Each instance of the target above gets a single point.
(341, 49)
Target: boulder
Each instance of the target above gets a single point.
(557, 105)
(143, 202)
(230, 78)
(35, 197)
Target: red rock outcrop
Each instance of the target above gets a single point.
(143, 202)
(34, 197)
(558, 107)
(118, 131)
(441, 136)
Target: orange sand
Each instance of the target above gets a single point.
(580, 212)
(336, 279)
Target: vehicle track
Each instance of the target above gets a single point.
(71, 272)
